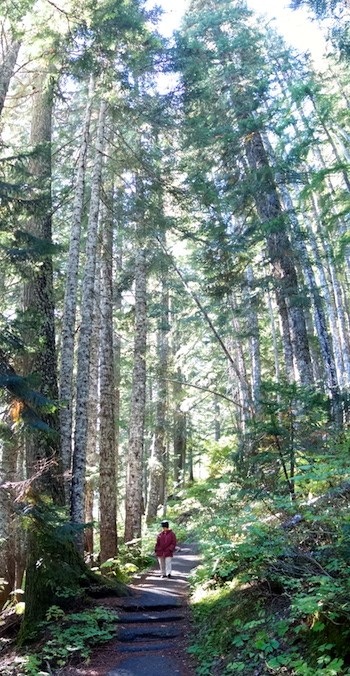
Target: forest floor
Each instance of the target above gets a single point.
(153, 627)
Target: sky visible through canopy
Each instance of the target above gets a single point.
(296, 28)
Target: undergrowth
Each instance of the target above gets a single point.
(65, 636)
(272, 595)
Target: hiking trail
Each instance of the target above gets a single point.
(152, 627)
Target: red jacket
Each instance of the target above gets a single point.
(166, 543)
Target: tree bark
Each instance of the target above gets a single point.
(274, 337)
(179, 432)
(157, 460)
(330, 140)
(39, 300)
(239, 375)
(340, 319)
(70, 302)
(281, 255)
(6, 70)
(117, 302)
(329, 303)
(320, 321)
(217, 420)
(93, 417)
(8, 461)
(107, 485)
(133, 498)
(254, 338)
(79, 454)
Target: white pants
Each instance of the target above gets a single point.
(165, 564)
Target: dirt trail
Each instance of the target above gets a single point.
(152, 628)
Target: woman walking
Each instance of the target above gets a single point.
(164, 549)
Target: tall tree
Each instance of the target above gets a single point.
(7, 519)
(70, 301)
(38, 291)
(92, 441)
(158, 456)
(39, 303)
(107, 468)
(134, 488)
(232, 87)
(9, 58)
(79, 452)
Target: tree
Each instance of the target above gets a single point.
(157, 462)
(39, 303)
(107, 468)
(79, 451)
(92, 441)
(134, 493)
(232, 87)
(38, 292)
(9, 59)
(70, 302)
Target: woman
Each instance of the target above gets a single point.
(164, 549)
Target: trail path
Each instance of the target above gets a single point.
(152, 628)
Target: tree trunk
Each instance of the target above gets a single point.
(157, 460)
(254, 337)
(107, 486)
(281, 255)
(179, 421)
(39, 301)
(70, 301)
(240, 373)
(331, 141)
(93, 418)
(217, 421)
(180, 444)
(274, 337)
(341, 313)
(320, 321)
(7, 516)
(20, 534)
(6, 70)
(118, 257)
(79, 455)
(339, 306)
(324, 339)
(133, 499)
(328, 301)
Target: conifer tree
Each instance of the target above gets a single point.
(70, 303)
(107, 446)
(91, 478)
(134, 480)
(9, 58)
(233, 86)
(157, 468)
(79, 451)
(38, 292)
